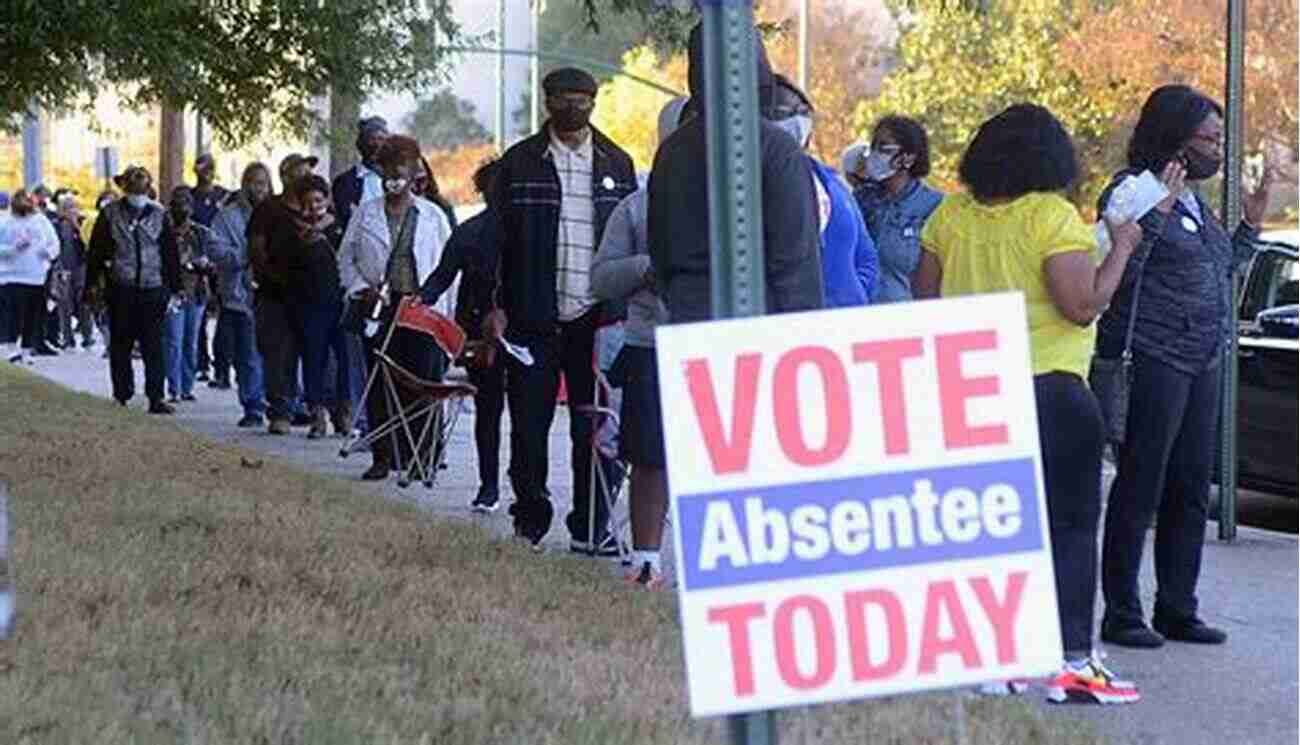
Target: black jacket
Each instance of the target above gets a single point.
(346, 191)
(1183, 315)
(678, 221)
(527, 195)
(471, 252)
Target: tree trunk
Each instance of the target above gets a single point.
(345, 112)
(171, 151)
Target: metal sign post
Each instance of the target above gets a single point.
(1235, 130)
(735, 215)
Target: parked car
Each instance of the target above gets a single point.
(1268, 325)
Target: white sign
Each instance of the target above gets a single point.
(857, 503)
(105, 162)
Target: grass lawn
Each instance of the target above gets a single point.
(173, 590)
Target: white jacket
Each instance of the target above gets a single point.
(366, 246)
(30, 264)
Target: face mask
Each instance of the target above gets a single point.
(395, 186)
(879, 166)
(180, 217)
(1199, 165)
(314, 217)
(799, 127)
(569, 118)
(137, 200)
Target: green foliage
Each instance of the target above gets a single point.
(249, 66)
(961, 63)
(444, 122)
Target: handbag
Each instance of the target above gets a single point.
(1111, 378)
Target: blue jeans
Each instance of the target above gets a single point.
(241, 340)
(181, 330)
(317, 327)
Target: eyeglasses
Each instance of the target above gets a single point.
(890, 150)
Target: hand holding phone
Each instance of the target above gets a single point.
(1174, 177)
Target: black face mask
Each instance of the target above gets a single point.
(1200, 166)
(570, 118)
(180, 216)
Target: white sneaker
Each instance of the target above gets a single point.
(999, 688)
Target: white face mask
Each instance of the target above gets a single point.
(137, 200)
(799, 127)
(878, 166)
(395, 186)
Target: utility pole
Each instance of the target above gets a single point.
(803, 45)
(501, 77)
(171, 150)
(1235, 130)
(33, 154)
(535, 69)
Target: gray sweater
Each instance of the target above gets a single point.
(619, 269)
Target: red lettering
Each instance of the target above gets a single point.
(787, 658)
(1002, 616)
(785, 393)
(737, 618)
(855, 610)
(889, 356)
(955, 389)
(942, 597)
(728, 456)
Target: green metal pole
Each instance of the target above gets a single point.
(735, 215)
(1235, 129)
(501, 78)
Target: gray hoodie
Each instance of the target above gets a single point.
(228, 251)
(623, 260)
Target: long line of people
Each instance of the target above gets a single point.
(572, 240)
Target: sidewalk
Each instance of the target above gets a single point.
(1245, 692)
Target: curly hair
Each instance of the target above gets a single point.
(485, 175)
(1024, 149)
(399, 150)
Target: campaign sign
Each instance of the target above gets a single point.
(857, 503)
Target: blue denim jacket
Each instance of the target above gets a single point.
(895, 225)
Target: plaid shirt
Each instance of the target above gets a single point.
(575, 245)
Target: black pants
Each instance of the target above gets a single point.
(278, 345)
(25, 315)
(1070, 436)
(489, 405)
(1164, 466)
(531, 391)
(137, 316)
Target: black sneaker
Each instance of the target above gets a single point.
(302, 419)
(1192, 630)
(487, 501)
(188, 398)
(1134, 635)
(201, 376)
(158, 407)
(219, 384)
(250, 421)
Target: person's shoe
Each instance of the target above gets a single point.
(341, 420)
(121, 401)
(646, 577)
(173, 399)
(188, 398)
(1090, 682)
(45, 350)
(378, 470)
(1192, 630)
(219, 384)
(606, 546)
(250, 421)
(1133, 635)
(201, 376)
(159, 407)
(487, 501)
(302, 419)
(1003, 688)
(320, 424)
(279, 426)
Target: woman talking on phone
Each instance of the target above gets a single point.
(1181, 274)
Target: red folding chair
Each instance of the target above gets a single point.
(436, 403)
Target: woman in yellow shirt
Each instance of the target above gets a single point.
(1014, 231)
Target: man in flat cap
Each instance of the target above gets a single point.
(208, 200)
(554, 191)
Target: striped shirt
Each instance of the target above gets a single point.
(575, 245)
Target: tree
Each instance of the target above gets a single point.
(247, 66)
(445, 122)
(628, 110)
(959, 64)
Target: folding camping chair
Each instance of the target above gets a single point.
(609, 472)
(435, 406)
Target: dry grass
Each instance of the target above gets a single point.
(169, 593)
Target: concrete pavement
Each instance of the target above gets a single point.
(1243, 693)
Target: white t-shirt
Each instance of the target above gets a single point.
(28, 245)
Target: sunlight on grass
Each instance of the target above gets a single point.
(168, 593)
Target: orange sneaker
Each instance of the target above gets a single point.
(1090, 682)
